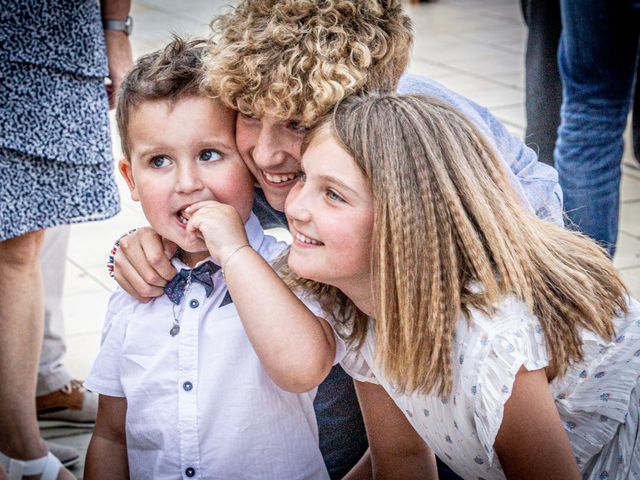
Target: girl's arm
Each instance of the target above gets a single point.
(532, 442)
(295, 347)
(362, 469)
(395, 448)
(107, 452)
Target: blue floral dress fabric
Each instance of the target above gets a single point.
(597, 399)
(56, 163)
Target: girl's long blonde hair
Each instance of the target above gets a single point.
(446, 216)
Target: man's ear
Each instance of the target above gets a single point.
(124, 165)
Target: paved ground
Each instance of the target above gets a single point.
(472, 46)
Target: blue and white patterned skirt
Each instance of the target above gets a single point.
(37, 193)
(56, 165)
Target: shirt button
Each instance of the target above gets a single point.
(190, 472)
(188, 386)
(194, 303)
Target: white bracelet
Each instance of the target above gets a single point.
(224, 264)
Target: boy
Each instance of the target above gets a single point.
(182, 388)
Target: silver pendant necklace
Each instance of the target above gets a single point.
(175, 329)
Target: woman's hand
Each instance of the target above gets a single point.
(532, 442)
(120, 60)
(118, 45)
(142, 265)
(219, 225)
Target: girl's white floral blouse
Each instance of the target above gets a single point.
(598, 399)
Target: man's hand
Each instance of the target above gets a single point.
(142, 265)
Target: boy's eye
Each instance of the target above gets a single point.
(302, 178)
(296, 126)
(209, 156)
(160, 161)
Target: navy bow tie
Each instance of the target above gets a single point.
(176, 287)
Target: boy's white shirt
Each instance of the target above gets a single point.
(233, 422)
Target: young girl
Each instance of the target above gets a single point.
(507, 343)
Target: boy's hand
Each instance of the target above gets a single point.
(142, 265)
(219, 225)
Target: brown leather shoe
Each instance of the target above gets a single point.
(71, 406)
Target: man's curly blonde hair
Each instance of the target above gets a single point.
(299, 58)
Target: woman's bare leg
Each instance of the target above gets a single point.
(21, 324)
(21, 330)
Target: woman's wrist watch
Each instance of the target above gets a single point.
(125, 25)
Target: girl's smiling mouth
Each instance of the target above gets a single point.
(307, 241)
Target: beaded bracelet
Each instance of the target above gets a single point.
(114, 250)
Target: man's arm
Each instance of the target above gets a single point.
(536, 182)
(395, 448)
(107, 452)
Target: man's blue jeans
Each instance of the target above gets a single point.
(543, 88)
(597, 60)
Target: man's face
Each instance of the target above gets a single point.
(271, 149)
